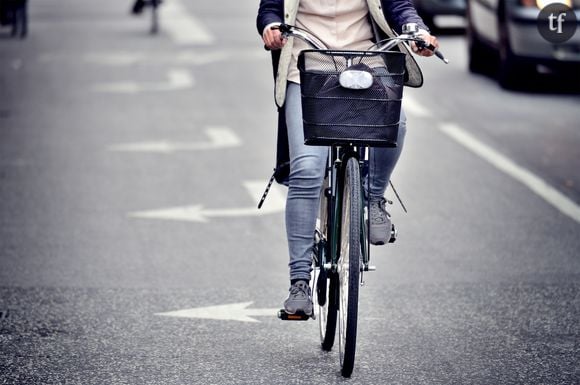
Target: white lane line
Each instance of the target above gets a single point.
(412, 107)
(506, 165)
(182, 26)
(123, 59)
(218, 138)
(179, 79)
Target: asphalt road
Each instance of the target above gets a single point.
(131, 251)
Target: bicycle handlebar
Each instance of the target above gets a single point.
(310, 38)
(410, 34)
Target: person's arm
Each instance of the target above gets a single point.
(269, 12)
(400, 12)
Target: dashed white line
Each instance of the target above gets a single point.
(182, 26)
(178, 79)
(506, 165)
(412, 107)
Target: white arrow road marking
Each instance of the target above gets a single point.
(182, 26)
(229, 312)
(275, 203)
(178, 79)
(200, 58)
(219, 137)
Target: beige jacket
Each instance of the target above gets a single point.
(376, 12)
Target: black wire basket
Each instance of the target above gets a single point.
(335, 115)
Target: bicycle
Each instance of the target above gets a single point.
(153, 4)
(351, 101)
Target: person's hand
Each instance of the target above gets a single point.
(273, 38)
(428, 40)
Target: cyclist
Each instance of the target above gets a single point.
(340, 24)
(138, 5)
(15, 12)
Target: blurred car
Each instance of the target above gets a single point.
(508, 30)
(13, 13)
(428, 9)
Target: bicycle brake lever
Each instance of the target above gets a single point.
(422, 45)
(283, 28)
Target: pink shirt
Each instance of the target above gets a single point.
(340, 24)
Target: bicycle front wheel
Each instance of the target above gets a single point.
(349, 263)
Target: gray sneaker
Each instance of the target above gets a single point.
(380, 226)
(299, 300)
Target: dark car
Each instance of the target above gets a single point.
(428, 9)
(508, 30)
(13, 13)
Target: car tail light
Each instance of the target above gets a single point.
(543, 3)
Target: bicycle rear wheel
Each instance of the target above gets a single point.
(349, 263)
(325, 282)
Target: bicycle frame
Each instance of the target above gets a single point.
(339, 265)
(338, 155)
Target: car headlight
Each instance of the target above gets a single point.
(543, 3)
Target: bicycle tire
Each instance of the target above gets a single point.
(327, 311)
(349, 263)
(154, 17)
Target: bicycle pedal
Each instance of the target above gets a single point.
(299, 316)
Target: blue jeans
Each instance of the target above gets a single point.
(307, 166)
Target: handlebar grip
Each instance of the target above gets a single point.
(283, 28)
